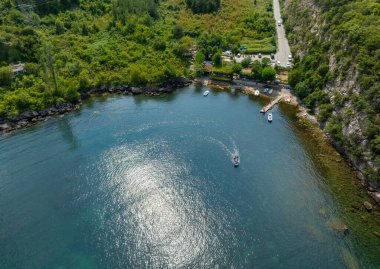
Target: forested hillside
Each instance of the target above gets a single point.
(69, 46)
(337, 71)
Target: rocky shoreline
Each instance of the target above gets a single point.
(32, 117)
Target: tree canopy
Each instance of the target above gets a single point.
(203, 6)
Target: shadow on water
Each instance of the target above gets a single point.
(198, 88)
(258, 99)
(166, 97)
(65, 128)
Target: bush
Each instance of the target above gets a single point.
(217, 59)
(178, 31)
(324, 112)
(203, 6)
(5, 76)
(246, 62)
(268, 74)
(257, 70)
(200, 58)
(265, 62)
(236, 68)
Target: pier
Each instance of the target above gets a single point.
(283, 94)
(271, 104)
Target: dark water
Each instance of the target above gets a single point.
(136, 182)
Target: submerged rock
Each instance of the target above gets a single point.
(349, 260)
(375, 196)
(368, 205)
(315, 234)
(339, 227)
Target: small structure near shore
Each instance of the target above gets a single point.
(18, 69)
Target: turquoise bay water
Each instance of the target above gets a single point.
(136, 182)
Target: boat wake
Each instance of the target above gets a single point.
(230, 151)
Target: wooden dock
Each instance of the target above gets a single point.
(271, 104)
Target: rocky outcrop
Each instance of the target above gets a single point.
(31, 117)
(338, 227)
(375, 195)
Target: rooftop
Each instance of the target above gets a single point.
(20, 67)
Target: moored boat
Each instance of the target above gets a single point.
(206, 93)
(257, 93)
(270, 117)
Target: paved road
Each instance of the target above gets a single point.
(283, 49)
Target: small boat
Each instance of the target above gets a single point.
(270, 91)
(257, 93)
(265, 90)
(206, 93)
(270, 117)
(236, 160)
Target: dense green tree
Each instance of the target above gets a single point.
(178, 31)
(200, 57)
(217, 59)
(198, 70)
(203, 6)
(257, 70)
(265, 62)
(246, 62)
(5, 76)
(181, 49)
(295, 76)
(268, 74)
(47, 61)
(59, 27)
(236, 68)
(122, 9)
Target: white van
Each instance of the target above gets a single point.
(279, 23)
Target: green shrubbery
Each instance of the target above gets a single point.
(69, 46)
(203, 6)
(350, 37)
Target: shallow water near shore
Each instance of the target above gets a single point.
(138, 182)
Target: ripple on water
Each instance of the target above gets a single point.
(155, 216)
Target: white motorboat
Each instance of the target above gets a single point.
(270, 117)
(236, 160)
(257, 93)
(270, 91)
(206, 93)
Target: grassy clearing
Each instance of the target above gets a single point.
(236, 19)
(264, 46)
(227, 19)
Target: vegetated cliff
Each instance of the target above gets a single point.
(336, 47)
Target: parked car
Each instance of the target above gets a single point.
(279, 23)
(278, 62)
(259, 55)
(272, 56)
